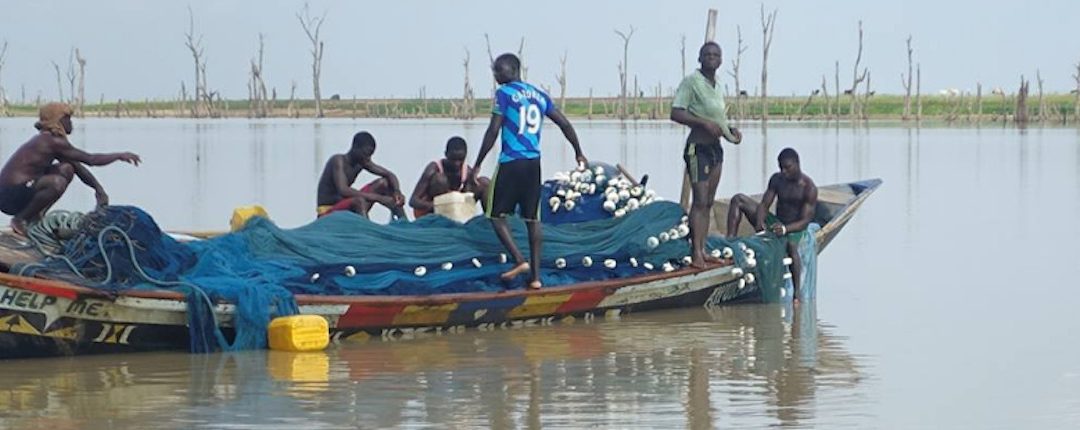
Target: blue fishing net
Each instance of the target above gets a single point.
(119, 248)
(260, 267)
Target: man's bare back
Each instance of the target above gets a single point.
(39, 171)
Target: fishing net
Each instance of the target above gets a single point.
(121, 247)
(262, 266)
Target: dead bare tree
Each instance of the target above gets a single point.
(1076, 100)
(637, 99)
(562, 81)
(81, 104)
(768, 25)
(918, 92)
(825, 96)
(207, 96)
(1021, 115)
(312, 27)
(906, 82)
(258, 103)
(735, 63)
(682, 54)
(867, 92)
(856, 78)
(183, 98)
(624, 67)
(589, 115)
(466, 111)
(521, 56)
(3, 95)
(491, 61)
(658, 110)
(291, 110)
(59, 81)
(71, 75)
(195, 46)
(978, 102)
(806, 104)
(1042, 101)
(836, 82)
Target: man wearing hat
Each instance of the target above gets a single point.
(39, 171)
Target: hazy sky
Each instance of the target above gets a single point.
(135, 48)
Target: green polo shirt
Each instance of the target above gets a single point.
(698, 96)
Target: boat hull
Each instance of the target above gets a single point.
(47, 318)
(41, 317)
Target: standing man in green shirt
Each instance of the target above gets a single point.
(699, 104)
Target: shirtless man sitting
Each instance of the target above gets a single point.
(796, 197)
(446, 175)
(335, 192)
(39, 171)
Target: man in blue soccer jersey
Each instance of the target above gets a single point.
(518, 111)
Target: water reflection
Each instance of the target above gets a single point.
(747, 365)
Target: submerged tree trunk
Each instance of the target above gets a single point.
(1076, 99)
(624, 70)
(735, 63)
(1021, 115)
(856, 78)
(195, 46)
(918, 92)
(905, 80)
(312, 27)
(768, 25)
(3, 95)
(82, 82)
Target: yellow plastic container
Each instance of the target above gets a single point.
(299, 333)
(242, 214)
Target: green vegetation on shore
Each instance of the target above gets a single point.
(1059, 108)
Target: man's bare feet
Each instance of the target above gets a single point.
(535, 285)
(517, 270)
(18, 226)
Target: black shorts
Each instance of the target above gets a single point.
(702, 154)
(14, 198)
(515, 185)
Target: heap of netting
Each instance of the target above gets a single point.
(262, 266)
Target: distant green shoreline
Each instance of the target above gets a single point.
(1059, 108)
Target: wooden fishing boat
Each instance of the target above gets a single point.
(41, 317)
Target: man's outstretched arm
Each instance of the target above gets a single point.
(568, 130)
(486, 144)
(88, 178)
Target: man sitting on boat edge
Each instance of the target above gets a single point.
(335, 192)
(446, 175)
(40, 170)
(796, 198)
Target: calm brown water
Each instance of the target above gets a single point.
(947, 303)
